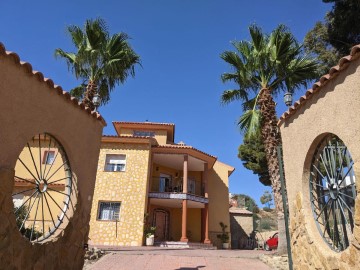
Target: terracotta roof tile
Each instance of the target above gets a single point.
(40, 77)
(343, 63)
(183, 147)
(19, 181)
(236, 210)
(123, 136)
(150, 123)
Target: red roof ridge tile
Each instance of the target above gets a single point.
(183, 147)
(150, 123)
(238, 210)
(127, 136)
(18, 180)
(317, 86)
(28, 69)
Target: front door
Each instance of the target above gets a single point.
(161, 222)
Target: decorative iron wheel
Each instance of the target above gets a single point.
(42, 188)
(333, 192)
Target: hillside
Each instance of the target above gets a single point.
(266, 220)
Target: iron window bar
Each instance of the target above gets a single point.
(40, 207)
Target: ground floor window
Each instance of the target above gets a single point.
(109, 211)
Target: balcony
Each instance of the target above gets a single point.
(164, 188)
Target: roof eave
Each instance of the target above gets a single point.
(343, 64)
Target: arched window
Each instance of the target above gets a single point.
(333, 192)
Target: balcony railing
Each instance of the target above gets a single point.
(178, 196)
(160, 185)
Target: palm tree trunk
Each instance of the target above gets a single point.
(91, 89)
(272, 138)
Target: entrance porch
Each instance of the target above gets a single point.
(178, 194)
(166, 214)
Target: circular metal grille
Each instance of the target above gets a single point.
(333, 192)
(42, 188)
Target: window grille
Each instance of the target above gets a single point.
(109, 211)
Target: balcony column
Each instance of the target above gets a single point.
(205, 176)
(185, 174)
(184, 202)
(206, 209)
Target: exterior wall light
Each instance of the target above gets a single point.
(96, 101)
(288, 99)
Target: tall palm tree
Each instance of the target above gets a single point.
(263, 68)
(101, 61)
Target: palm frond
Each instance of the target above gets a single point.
(232, 95)
(78, 91)
(233, 59)
(77, 35)
(257, 37)
(249, 104)
(249, 122)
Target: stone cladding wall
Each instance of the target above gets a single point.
(307, 253)
(129, 188)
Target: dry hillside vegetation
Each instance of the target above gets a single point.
(266, 220)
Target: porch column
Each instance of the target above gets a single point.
(184, 202)
(183, 222)
(206, 209)
(206, 213)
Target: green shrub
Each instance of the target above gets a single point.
(267, 224)
(20, 219)
(224, 236)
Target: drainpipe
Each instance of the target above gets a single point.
(284, 199)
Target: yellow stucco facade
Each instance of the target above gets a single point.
(183, 191)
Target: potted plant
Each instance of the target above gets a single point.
(149, 235)
(149, 231)
(224, 236)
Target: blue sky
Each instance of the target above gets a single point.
(179, 42)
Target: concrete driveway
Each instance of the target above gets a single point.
(149, 258)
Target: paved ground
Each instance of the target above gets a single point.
(178, 259)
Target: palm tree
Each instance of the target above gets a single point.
(101, 61)
(263, 68)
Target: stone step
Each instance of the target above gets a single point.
(183, 245)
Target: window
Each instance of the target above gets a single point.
(48, 157)
(115, 163)
(109, 211)
(191, 186)
(165, 183)
(144, 133)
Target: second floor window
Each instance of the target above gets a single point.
(115, 163)
(144, 133)
(49, 157)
